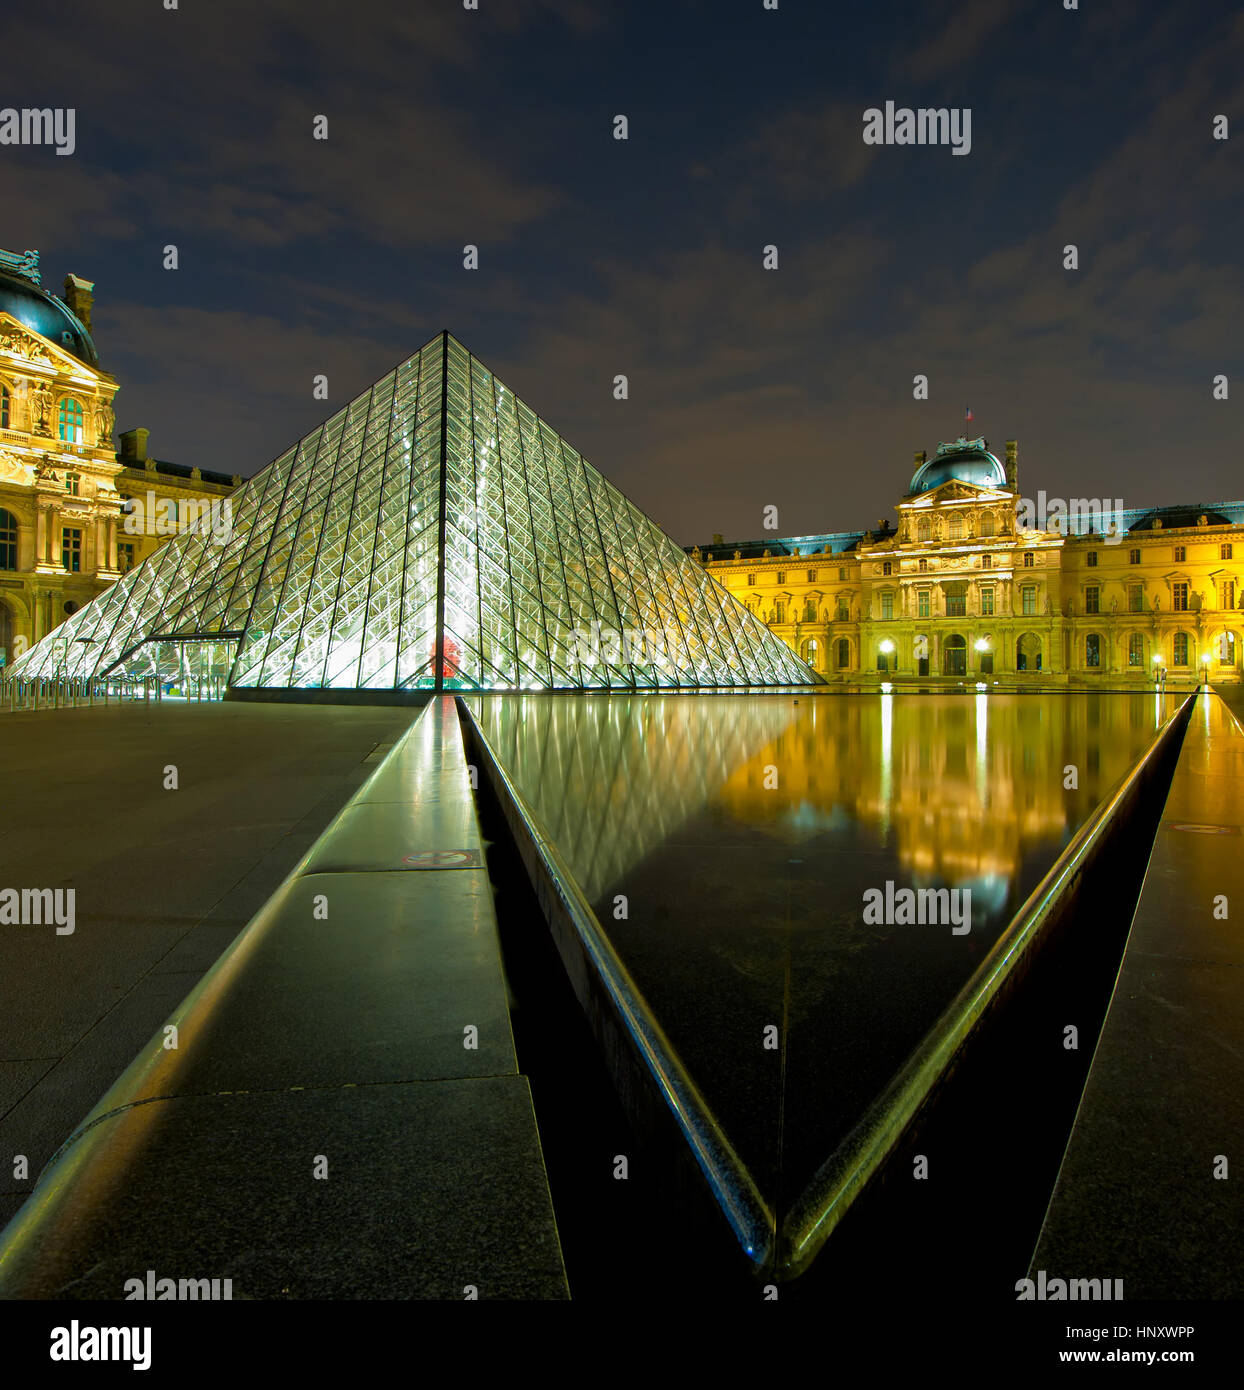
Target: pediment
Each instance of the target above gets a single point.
(21, 344)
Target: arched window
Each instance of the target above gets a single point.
(924, 529)
(843, 659)
(812, 653)
(6, 407)
(956, 528)
(1226, 648)
(8, 541)
(989, 526)
(955, 655)
(809, 610)
(1092, 650)
(69, 421)
(1136, 649)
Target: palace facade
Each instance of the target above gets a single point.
(966, 587)
(64, 489)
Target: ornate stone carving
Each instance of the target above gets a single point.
(14, 469)
(41, 408)
(104, 419)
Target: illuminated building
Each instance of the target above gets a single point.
(63, 487)
(961, 588)
(435, 534)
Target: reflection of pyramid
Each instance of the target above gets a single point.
(433, 534)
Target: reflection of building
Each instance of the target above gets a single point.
(961, 589)
(63, 487)
(963, 789)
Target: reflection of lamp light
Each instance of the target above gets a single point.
(887, 646)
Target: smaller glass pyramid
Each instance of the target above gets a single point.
(434, 534)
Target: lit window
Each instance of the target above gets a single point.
(6, 404)
(1092, 650)
(1180, 649)
(1092, 599)
(71, 549)
(69, 420)
(73, 483)
(923, 601)
(1028, 598)
(1136, 650)
(987, 601)
(956, 605)
(1179, 597)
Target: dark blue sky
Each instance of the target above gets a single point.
(598, 257)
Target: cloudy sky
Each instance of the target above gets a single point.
(748, 387)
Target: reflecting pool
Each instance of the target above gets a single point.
(731, 844)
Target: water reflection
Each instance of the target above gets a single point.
(742, 833)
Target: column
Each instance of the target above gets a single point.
(41, 544)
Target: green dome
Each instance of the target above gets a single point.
(45, 314)
(967, 460)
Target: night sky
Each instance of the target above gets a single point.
(598, 257)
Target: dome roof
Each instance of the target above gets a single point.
(46, 315)
(967, 460)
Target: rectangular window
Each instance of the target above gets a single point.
(1228, 593)
(781, 578)
(751, 578)
(986, 562)
(1028, 599)
(71, 549)
(1181, 554)
(73, 482)
(811, 576)
(842, 575)
(924, 564)
(1135, 598)
(887, 605)
(1180, 646)
(987, 601)
(922, 603)
(1092, 559)
(956, 605)
(1133, 557)
(1029, 559)
(844, 611)
(1092, 599)
(1224, 552)
(1179, 597)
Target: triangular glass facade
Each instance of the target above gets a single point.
(434, 534)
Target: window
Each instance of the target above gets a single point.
(887, 568)
(781, 576)
(1092, 559)
(1179, 597)
(73, 483)
(844, 611)
(923, 601)
(779, 611)
(8, 541)
(69, 420)
(1092, 599)
(1133, 557)
(71, 549)
(924, 565)
(1228, 593)
(125, 556)
(843, 658)
(989, 527)
(924, 529)
(956, 528)
(811, 576)
(1092, 650)
(809, 610)
(751, 578)
(887, 605)
(842, 575)
(1181, 554)
(987, 601)
(1028, 599)
(1029, 559)
(986, 562)
(1136, 650)
(1135, 598)
(1224, 552)
(956, 605)
(1179, 653)
(6, 404)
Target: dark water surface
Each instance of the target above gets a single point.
(743, 832)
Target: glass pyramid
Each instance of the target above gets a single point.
(433, 534)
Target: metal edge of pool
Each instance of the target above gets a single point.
(845, 1174)
(728, 1179)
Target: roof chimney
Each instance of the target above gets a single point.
(80, 295)
(1012, 464)
(134, 445)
